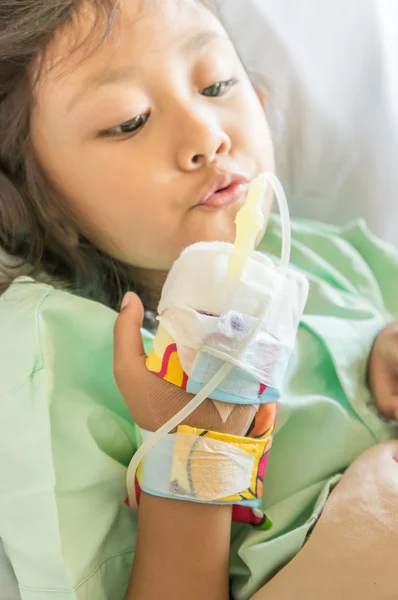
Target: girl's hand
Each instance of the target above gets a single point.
(151, 400)
(383, 371)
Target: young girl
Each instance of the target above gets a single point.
(120, 122)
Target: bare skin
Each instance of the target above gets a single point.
(351, 553)
(383, 371)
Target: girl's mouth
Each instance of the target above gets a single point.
(225, 196)
(225, 191)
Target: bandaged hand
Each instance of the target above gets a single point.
(383, 371)
(151, 400)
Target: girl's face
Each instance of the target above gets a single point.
(137, 132)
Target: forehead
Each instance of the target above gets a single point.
(141, 32)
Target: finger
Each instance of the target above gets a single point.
(386, 400)
(129, 352)
(383, 385)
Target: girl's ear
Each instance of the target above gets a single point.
(260, 89)
(262, 96)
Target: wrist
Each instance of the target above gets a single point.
(184, 523)
(177, 543)
(178, 512)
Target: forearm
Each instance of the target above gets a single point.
(182, 551)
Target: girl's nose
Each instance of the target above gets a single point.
(202, 141)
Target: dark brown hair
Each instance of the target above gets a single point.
(35, 226)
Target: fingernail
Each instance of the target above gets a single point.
(125, 301)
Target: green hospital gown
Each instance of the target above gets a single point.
(66, 437)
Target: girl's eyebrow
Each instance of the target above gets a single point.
(198, 39)
(191, 43)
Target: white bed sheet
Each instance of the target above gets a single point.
(332, 71)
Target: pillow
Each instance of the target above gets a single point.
(332, 73)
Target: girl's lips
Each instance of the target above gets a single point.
(227, 196)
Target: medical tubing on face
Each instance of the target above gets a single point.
(227, 367)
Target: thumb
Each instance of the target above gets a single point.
(129, 353)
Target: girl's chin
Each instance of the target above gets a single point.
(226, 233)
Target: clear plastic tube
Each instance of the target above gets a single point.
(285, 218)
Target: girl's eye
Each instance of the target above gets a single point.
(128, 127)
(219, 89)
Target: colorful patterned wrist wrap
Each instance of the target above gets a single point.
(209, 467)
(205, 466)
